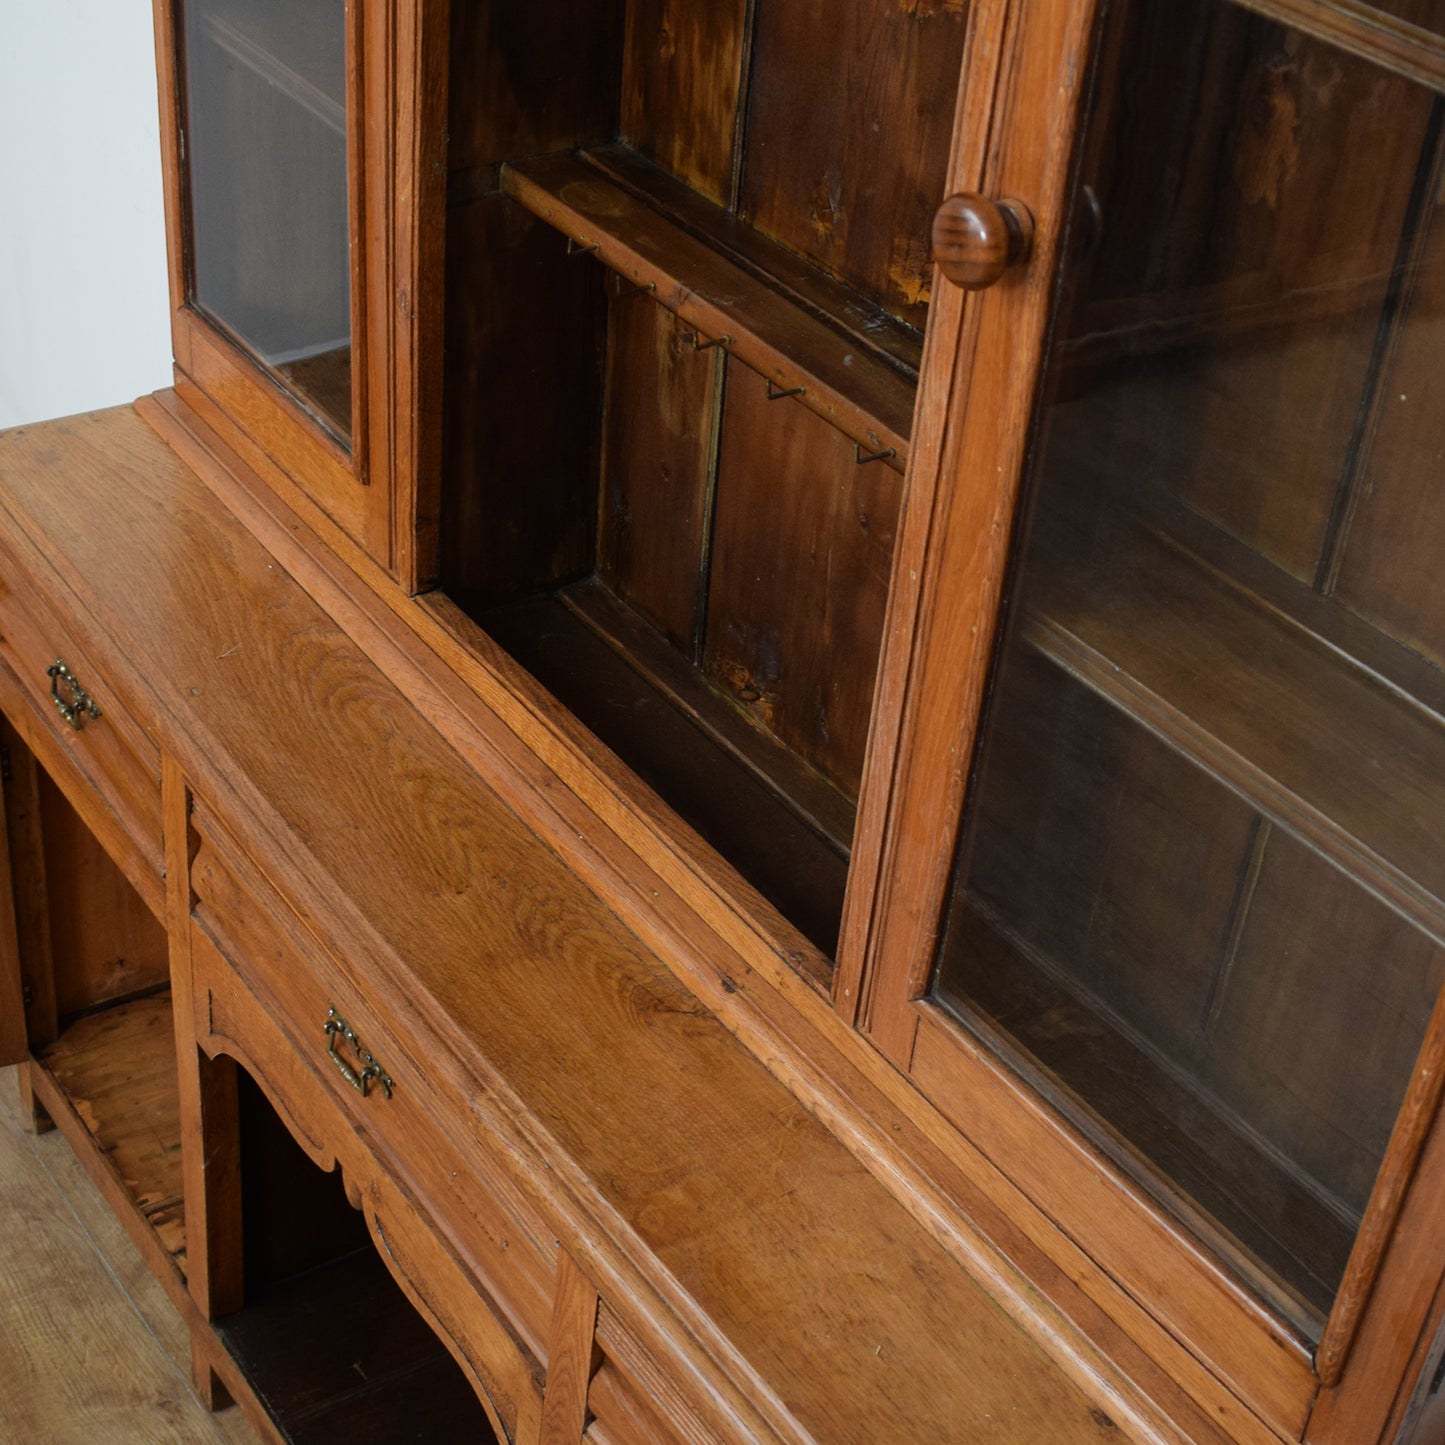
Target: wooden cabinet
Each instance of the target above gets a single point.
(883, 821)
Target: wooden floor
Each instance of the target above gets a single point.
(91, 1350)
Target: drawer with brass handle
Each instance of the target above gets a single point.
(92, 743)
(504, 1370)
(392, 1094)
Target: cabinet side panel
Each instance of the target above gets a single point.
(524, 344)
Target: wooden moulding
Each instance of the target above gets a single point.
(844, 383)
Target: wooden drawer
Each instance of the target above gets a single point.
(443, 1288)
(100, 755)
(504, 1244)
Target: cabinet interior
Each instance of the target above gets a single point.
(328, 1341)
(687, 272)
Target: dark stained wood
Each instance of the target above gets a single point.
(1277, 737)
(868, 400)
(1074, 806)
(530, 78)
(324, 380)
(1389, 565)
(1368, 30)
(1344, 977)
(658, 448)
(872, 327)
(1242, 332)
(682, 87)
(1200, 1161)
(816, 801)
(518, 497)
(675, 749)
(339, 1353)
(845, 162)
(801, 557)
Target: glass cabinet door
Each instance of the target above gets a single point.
(1199, 898)
(265, 118)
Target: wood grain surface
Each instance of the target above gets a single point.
(674, 1148)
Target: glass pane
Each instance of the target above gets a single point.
(266, 146)
(1201, 892)
(1428, 14)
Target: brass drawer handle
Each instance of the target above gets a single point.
(75, 704)
(360, 1079)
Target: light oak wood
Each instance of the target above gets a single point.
(572, 1356)
(635, 1128)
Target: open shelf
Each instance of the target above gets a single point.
(851, 387)
(115, 1069)
(834, 303)
(1333, 752)
(338, 1353)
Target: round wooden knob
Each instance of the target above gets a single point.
(976, 240)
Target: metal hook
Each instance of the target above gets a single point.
(872, 456)
(637, 288)
(698, 344)
(775, 395)
(582, 248)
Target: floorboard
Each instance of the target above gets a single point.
(90, 1348)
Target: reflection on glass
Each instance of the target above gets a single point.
(1201, 892)
(265, 88)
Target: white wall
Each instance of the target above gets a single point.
(83, 307)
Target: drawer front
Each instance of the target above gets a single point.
(231, 1019)
(505, 1244)
(67, 710)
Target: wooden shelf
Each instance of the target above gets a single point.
(837, 305)
(1338, 755)
(1112, 1084)
(114, 1071)
(848, 384)
(338, 1353)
